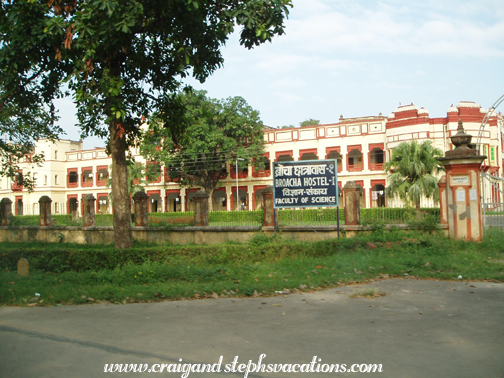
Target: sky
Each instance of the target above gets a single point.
(361, 58)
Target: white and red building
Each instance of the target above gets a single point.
(360, 145)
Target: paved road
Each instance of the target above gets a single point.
(418, 329)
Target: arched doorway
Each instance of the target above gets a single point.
(378, 196)
(154, 203)
(219, 202)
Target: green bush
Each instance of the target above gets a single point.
(399, 215)
(313, 216)
(236, 218)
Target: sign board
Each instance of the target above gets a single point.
(311, 183)
(460, 180)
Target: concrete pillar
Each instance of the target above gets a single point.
(352, 192)
(463, 189)
(182, 200)
(250, 193)
(268, 210)
(201, 208)
(229, 198)
(45, 217)
(140, 200)
(442, 199)
(88, 211)
(5, 212)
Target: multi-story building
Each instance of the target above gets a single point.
(360, 145)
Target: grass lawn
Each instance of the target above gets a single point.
(73, 274)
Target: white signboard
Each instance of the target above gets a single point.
(460, 195)
(460, 180)
(472, 195)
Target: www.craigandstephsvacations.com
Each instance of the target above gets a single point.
(315, 366)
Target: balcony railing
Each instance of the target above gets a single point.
(355, 167)
(376, 167)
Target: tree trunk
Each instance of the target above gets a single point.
(418, 211)
(210, 191)
(123, 235)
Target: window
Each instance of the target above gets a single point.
(87, 177)
(55, 179)
(73, 177)
(45, 180)
(55, 155)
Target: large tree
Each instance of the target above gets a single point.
(414, 167)
(21, 125)
(215, 133)
(120, 59)
(309, 122)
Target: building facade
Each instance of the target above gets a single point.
(360, 145)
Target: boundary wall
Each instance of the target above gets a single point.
(186, 235)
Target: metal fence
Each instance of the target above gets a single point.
(285, 217)
(33, 209)
(236, 218)
(215, 218)
(492, 201)
(310, 217)
(399, 215)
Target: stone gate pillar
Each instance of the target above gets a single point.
(45, 217)
(5, 212)
(462, 193)
(201, 208)
(268, 210)
(140, 209)
(88, 211)
(352, 192)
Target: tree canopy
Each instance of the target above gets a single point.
(414, 166)
(216, 134)
(309, 122)
(120, 60)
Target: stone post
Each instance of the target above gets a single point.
(5, 212)
(45, 218)
(23, 267)
(462, 193)
(352, 192)
(442, 199)
(140, 208)
(88, 211)
(268, 210)
(201, 208)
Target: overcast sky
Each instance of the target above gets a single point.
(362, 57)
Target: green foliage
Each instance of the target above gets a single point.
(27, 83)
(202, 137)
(66, 273)
(310, 216)
(425, 222)
(414, 166)
(260, 239)
(120, 60)
(139, 175)
(34, 220)
(170, 220)
(309, 122)
(404, 215)
(235, 218)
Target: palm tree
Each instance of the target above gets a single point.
(414, 167)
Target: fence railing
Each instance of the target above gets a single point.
(310, 217)
(235, 218)
(399, 215)
(286, 217)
